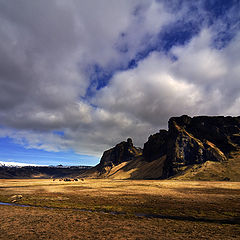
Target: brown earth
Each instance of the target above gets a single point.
(191, 210)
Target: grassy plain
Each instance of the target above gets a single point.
(119, 209)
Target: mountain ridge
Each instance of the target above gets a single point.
(193, 148)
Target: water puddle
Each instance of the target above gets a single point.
(3, 203)
(14, 204)
(140, 215)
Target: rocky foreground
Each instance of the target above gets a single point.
(198, 148)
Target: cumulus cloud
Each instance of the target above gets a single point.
(201, 80)
(49, 50)
(150, 92)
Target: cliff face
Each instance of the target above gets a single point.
(156, 146)
(200, 139)
(213, 141)
(122, 152)
(192, 141)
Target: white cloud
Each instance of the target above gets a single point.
(198, 61)
(197, 83)
(150, 92)
(47, 48)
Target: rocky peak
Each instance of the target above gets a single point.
(200, 139)
(188, 142)
(156, 146)
(130, 142)
(221, 131)
(122, 152)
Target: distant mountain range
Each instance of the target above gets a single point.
(198, 148)
(17, 164)
(21, 172)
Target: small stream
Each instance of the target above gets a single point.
(14, 204)
(141, 215)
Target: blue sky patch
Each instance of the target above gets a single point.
(12, 152)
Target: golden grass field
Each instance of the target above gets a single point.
(119, 209)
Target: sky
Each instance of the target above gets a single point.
(77, 77)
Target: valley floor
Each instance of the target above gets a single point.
(119, 209)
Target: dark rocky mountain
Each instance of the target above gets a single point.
(201, 147)
(122, 152)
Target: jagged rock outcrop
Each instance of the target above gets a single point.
(122, 152)
(193, 141)
(156, 146)
(203, 147)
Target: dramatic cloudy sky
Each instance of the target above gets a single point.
(77, 77)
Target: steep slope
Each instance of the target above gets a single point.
(119, 155)
(217, 171)
(200, 148)
(138, 169)
(206, 147)
(124, 151)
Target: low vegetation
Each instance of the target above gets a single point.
(120, 209)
